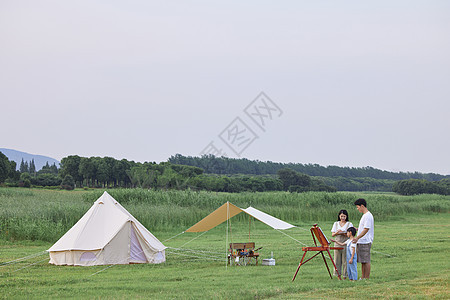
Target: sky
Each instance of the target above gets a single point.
(346, 83)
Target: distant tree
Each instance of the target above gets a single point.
(298, 182)
(47, 169)
(143, 175)
(170, 179)
(70, 166)
(46, 179)
(5, 167)
(104, 171)
(444, 185)
(290, 177)
(88, 170)
(25, 180)
(14, 175)
(23, 168)
(32, 168)
(186, 171)
(54, 169)
(68, 183)
(120, 170)
(272, 184)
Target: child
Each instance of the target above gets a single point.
(351, 253)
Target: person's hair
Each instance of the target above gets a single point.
(352, 230)
(361, 201)
(343, 211)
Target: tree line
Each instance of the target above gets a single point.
(108, 172)
(419, 186)
(224, 165)
(355, 184)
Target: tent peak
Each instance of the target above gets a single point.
(106, 196)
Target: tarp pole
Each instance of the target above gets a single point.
(231, 228)
(249, 226)
(226, 245)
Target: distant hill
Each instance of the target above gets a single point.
(39, 160)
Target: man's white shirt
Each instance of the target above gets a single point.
(366, 222)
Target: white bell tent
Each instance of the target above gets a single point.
(107, 234)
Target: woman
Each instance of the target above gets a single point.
(339, 232)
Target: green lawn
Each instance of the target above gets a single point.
(409, 260)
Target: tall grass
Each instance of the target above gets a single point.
(38, 214)
(47, 215)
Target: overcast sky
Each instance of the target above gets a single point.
(349, 83)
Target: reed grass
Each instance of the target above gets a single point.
(37, 214)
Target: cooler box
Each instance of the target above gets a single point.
(268, 262)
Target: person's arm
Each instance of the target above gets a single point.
(339, 243)
(336, 233)
(350, 261)
(363, 232)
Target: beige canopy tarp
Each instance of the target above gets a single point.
(229, 210)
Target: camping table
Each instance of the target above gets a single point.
(242, 254)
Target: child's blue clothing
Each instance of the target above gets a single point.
(351, 268)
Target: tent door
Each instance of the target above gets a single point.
(136, 252)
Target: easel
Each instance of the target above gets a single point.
(318, 233)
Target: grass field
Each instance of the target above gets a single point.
(409, 259)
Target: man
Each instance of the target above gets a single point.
(364, 238)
